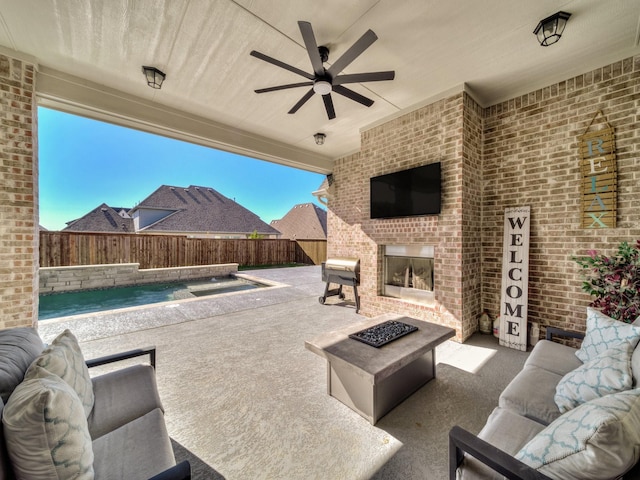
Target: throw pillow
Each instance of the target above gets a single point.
(604, 332)
(609, 372)
(46, 431)
(18, 348)
(598, 439)
(64, 359)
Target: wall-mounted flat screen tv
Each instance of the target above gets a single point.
(406, 193)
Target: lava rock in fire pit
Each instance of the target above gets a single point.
(383, 333)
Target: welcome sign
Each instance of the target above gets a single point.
(599, 177)
(515, 278)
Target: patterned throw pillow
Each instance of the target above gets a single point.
(609, 372)
(599, 439)
(604, 332)
(46, 431)
(64, 359)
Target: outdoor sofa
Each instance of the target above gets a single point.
(568, 414)
(58, 422)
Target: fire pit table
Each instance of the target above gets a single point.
(373, 380)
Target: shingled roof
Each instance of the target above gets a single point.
(304, 221)
(103, 218)
(196, 209)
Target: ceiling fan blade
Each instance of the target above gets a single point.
(283, 87)
(312, 47)
(344, 91)
(350, 55)
(328, 105)
(280, 64)
(302, 101)
(364, 77)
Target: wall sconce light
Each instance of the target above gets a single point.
(154, 77)
(319, 137)
(550, 29)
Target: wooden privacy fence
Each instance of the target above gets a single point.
(162, 251)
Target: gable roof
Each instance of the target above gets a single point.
(200, 209)
(103, 218)
(304, 221)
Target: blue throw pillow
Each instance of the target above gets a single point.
(599, 439)
(609, 372)
(603, 333)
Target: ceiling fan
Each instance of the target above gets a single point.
(324, 81)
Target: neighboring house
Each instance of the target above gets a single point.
(198, 212)
(103, 218)
(305, 221)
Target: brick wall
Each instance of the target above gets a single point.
(471, 215)
(18, 195)
(531, 158)
(435, 133)
(520, 152)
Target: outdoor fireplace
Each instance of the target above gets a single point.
(408, 272)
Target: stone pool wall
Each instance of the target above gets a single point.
(88, 277)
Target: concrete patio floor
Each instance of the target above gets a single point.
(243, 394)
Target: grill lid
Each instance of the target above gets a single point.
(344, 264)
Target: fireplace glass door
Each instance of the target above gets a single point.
(409, 272)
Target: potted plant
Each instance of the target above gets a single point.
(614, 281)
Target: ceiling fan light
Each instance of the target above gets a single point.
(322, 87)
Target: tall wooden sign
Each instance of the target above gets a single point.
(599, 184)
(515, 278)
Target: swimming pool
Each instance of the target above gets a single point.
(56, 305)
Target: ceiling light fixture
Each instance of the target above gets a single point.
(154, 77)
(550, 29)
(322, 87)
(319, 138)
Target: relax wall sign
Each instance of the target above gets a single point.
(599, 182)
(515, 278)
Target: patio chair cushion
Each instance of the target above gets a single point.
(531, 394)
(64, 359)
(6, 471)
(18, 348)
(604, 332)
(506, 430)
(596, 440)
(554, 357)
(140, 449)
(609, 372)
(122, 396)
(46, 431)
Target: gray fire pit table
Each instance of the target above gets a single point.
(371, 380)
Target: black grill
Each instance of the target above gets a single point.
(341, 271)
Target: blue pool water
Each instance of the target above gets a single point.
(88, 301)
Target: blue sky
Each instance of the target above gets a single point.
(84, 163)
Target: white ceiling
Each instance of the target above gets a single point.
(434, 46)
